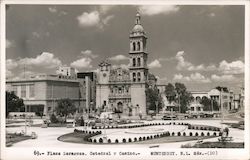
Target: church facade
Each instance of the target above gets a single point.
(122, 90)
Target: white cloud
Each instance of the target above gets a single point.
(194, 77)
(52, 9)
(93, 18)
(11, 64)
(124, 66)
(119, 57)
(89, 19)
(82, 63)
(88, 53)
(223, 78)
(45, 60)
(155, 64)
(154, 10)
(105, 8)
(182, 64)
(211, 14)
(35, 34)
(107, 19)
(235, 67)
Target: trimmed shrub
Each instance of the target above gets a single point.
(196, 134)
(109, 140)
(184, 134)
(190, 134)
(100, 140)
(116, 141)
(202, 134)
(94, 141)
(135, 139)
(201, 128)
(90, 140)
(151, 137)
(147, 137)
(179, 133)
(220, 134)
(208, 134)
(129, 140)
(167, 134)
(197, 127)
(173, 134)
(154, 136)
(192, 127)
(173, 123)
(140, 138)
(144, 138)
(124, 140)
(215, 134)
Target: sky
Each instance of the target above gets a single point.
(200, 46)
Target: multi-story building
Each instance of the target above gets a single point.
(123, 90)
(41, 93)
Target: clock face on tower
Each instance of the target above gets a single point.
(104, 74)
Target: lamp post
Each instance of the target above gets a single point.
(156, 105)
(25, 129)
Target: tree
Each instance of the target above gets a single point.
(65, 107)
(170, 92)
(206, 102)
(183, 96)
(153, 96)
(224, 89)
(13, 103)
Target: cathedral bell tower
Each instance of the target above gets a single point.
(138, 53)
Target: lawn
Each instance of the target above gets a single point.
(217, 145)
(12, 138)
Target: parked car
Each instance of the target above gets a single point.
(169, 117)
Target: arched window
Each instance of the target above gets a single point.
(139, 61)
(134, 77)
(139, 76)
(134, 46)
(138, 46)
(134, 62)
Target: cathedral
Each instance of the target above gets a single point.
(122, 90)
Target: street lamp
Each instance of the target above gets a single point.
(156, 105)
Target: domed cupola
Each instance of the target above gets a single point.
(138, 27)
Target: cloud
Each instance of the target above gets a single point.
(119, 57)
(88, 53)
(235, 67)
(52, 9)
(106, 8)
(45, 60)
(194, 77)
(8, 43)
(155, 64)
(84, 62)
(124, 66)
(211, 14)
(182, 64)
(93, 18)
(154, 10)
(223, 78)
(107, 19)
(11, 64)
(35, 34)
(89, 19)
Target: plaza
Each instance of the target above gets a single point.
(49, 136)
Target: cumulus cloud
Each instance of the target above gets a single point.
(182, 64)
(45, 60)
(93, 18)
(124, 66)
(154, 10)
(88, 53)
(36, 34)
(194, 77)
(52, 9)
(119, 57)
(235, 67)
(105, 8)
(223, 78)
(155, 64)
(11, 64)
(84, 62)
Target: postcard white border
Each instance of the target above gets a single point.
(27, 153)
